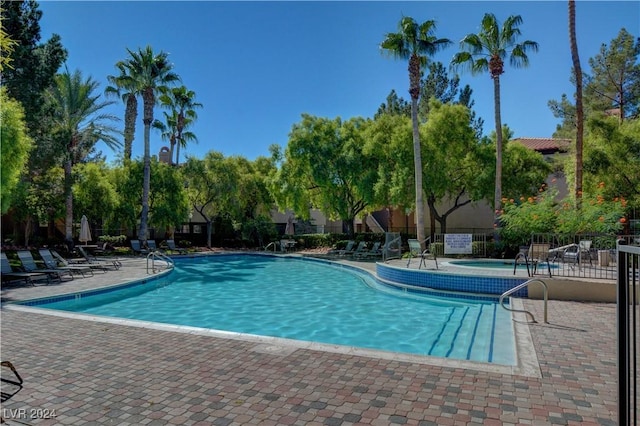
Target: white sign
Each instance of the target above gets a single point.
(458, 244)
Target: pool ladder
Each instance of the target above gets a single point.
(521, 286)
(157, 255)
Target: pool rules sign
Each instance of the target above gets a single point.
(457, 244)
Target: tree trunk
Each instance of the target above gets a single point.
(209, 232)
(414, 90)
(431, 201)
(497, 200)
(68, 193)
(149, 101)
(579, 108)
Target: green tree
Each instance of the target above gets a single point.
(34, 64)
(451, 162)
(325, 168)
(94, 192)
(415, 42)
(614, 83)
(15, 146)
(79, 122)
(394, 105)
(150, 71)
(181, 102)
(126, 88)
(212, 185)
(487, 51)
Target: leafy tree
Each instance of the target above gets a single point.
(394, 105)
(78, 124)
(612, 156)
(577, 72)
(15, 146)
(615, 77)
(150, 71)
(325, 168)
(94, 192)
(167, 197)
(6, 46)
(451, 165)
(414, 42)
(487, 51)
(181, 102)
(212, 185)
(33, 64)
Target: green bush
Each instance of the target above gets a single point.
(113, 239)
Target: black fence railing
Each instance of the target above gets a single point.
(628, 318)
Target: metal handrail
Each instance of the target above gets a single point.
(523, 285)
(269, 245)
(157, 254)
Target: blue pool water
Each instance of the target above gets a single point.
(310, 301)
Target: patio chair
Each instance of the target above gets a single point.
(51, 262)
(374, 251)
(392, 248)
(348, 248)
(415, 250)
(100, 262)
(171, 244)
(8, 274)
(151, 245)
(137, 247)
(29, 265)
(361, 248)
(10, 386)
(536, 254)
(578, 253)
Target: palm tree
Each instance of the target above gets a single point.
(577, 71)
(150, 72)
(414, 42)
(487, 51)
(169, 131)
(182, 102)
(78, 124)
(124, 87)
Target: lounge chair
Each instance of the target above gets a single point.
(10, 386)
(339, 252)
(99, 262)
(374, 251)
(171, 244)
(29, 264)
(361, 248)
(137, 248)
(415, 250)
(151, 245)
(8, 274)
(52, 263)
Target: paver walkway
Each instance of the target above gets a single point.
(88, 372)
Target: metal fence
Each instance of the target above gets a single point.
(628, 327)
(591, 256)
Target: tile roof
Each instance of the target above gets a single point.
(545, 145)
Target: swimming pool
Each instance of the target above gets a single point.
(310, 301)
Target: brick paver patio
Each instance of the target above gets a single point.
(88, 372)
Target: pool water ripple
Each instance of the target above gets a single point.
(311, 301)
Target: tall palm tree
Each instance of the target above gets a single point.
(124, 87)
(169, 131)
(414, 42)
(487, 51)
(577, 70)
(78, 124)
(182, 101)
(150, 72)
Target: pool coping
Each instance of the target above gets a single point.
(525, 354)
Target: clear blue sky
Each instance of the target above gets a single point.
(257, 66)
